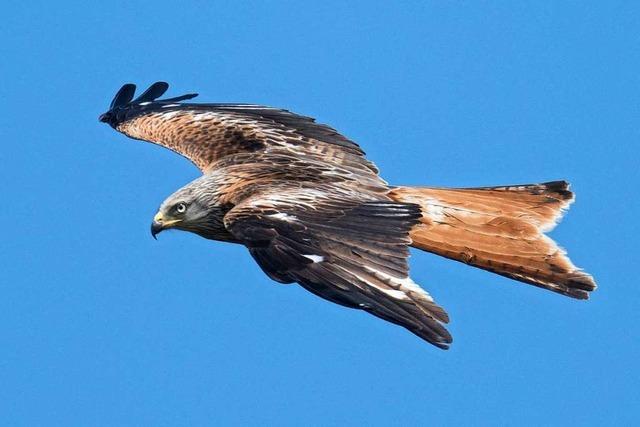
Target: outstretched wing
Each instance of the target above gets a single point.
(353, 253)
(208, 133)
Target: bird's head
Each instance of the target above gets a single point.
(193, 208)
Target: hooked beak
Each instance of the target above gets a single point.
(160, 223)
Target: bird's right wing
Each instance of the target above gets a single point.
(351, 253)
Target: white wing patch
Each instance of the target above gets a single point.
(399, 288)
(395, 293)
(315, 258)
(400, 285)
(284, 217)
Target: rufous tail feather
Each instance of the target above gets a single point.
(499, 229)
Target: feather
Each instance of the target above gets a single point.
(179, 98)
(500, 229)
(123, 96)
(154, 91)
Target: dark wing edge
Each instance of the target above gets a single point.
(352, 255)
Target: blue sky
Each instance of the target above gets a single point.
(102, 325)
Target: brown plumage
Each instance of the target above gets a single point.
(499, 229)
(312, 209)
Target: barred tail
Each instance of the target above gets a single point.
(499, 229)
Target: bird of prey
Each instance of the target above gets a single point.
(312, 209)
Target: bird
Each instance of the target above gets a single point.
(312, 209)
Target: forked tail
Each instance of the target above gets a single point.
(499, 229)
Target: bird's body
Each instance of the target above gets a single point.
(312, 209)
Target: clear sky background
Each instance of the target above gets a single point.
(102, 325)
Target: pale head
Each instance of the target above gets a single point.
(193, 208)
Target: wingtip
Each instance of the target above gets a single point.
(124, 99)
(123, 96)
(180, 98)
(153, 92)
(444, 344)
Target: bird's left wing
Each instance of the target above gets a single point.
(208, 134)
(353, 253)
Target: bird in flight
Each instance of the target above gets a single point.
(312, 209)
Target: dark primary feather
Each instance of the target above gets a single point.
(350, 252)
(123, 96)
(180, 98)
(154, 91)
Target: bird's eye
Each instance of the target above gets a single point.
(181, 208)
